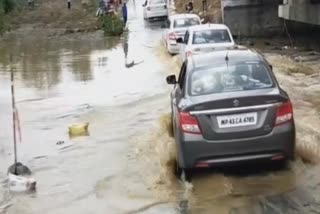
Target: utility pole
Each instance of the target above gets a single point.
(14, 111)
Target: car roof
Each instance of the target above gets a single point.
(183, 15)
(208, 26)
(149, 1)
(235, 54)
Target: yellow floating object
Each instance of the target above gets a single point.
(79, 129)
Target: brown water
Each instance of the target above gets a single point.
(126, 163)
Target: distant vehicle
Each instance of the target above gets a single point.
(155, 9)
(227, 106)
(204, 38)
(176, 27)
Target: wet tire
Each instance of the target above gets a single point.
(171, 54)
(281, 164)
(186, 175)
(284, 164)
(166, 45)
(293, 155)
(182, 174)
(170, 128)
(177, 170)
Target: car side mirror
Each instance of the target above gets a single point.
(179, 40)
(171, 80)
(271, 67)
(143, 5)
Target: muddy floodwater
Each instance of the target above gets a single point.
(126, 163)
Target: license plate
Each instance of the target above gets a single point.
(237, 120)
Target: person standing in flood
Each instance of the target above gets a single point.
(125, 50)
(31, 4)
(69, 4)
(125, 13)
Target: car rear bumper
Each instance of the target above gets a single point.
(194, 151)
(157, 14)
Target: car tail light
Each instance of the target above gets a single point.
(202, 165)
(188, 123)
(165, 6)
(188, 53)
(284, 113)
(148, 8)
(172, 36)
(277, 157)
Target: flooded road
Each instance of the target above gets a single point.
(126, 163)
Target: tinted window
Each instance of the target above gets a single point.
(186, 38)
(182, 75)
(168, 23)
(211, 36)
(236, 77)
(156, 2)
(185, 22)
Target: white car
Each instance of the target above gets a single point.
(176, 27)
(204, 38)
(155, 9)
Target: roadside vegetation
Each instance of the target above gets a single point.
(6, 6)
(52, 18)
(49, 17)
(8, 10)
(112, 25)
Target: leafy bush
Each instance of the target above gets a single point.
(7, 5)
(2, 22)
(112, 25)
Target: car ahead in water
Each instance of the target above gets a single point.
(175, 27)
(204, 38)
(155, 9)
(227, 106)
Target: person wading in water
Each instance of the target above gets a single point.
(69, 4)
(125, 14)
(31, 4)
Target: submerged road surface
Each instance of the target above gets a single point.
(125, 165)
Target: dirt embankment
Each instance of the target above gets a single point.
(211, 14)
(53, 17)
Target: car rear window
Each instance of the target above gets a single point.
(230, 78)
(157, 2)
(185, 22)
(211, 36)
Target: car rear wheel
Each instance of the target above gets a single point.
(172, 54)
(283, 164)
(170, 128)
(181, 173)
(186, 175)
